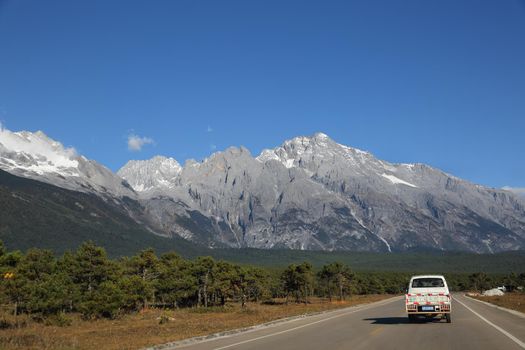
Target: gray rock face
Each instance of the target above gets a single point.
(312, 193)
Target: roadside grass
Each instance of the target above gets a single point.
(513, 301)
(153, 326)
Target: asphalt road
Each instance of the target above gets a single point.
(384, 325)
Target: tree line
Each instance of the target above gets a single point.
(86, 281)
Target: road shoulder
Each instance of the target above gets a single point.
(514, 312)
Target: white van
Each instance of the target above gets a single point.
(428, 296)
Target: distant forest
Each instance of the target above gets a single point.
(88, 282)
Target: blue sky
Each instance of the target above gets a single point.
(437, 82)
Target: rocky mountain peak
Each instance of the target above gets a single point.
(310, 152)
(157, 172)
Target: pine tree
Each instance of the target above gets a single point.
(203, 270)
(94, 275)
(146, 267)
(298, 280)
(176, 284)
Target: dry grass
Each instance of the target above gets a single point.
(514, 301)
(144, 329)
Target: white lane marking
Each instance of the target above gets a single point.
(510, 336)
(304, 325)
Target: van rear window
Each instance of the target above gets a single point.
(428, 283)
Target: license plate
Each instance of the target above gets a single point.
(427, 308)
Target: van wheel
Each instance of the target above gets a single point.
(449, 320)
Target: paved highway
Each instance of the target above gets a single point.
(384, 325)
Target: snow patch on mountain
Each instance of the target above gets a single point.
(386, 243)
(36, 156)
(36, 152)
(395, 180)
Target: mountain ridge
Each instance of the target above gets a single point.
(358, 183)
(309, 193)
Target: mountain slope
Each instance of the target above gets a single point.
(36, 214)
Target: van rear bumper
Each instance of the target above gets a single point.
(428, 309)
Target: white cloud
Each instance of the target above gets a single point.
(213, 147)
(135, 142)
(516, 190)
(209, 129)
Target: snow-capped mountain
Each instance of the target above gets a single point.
(311, 152)
(36, 156)
(308, 193)
(321, 155)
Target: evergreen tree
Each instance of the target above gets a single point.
(203, 270)
(176, 285)
(298, 281)
(226, 281)
(146, 267)
(336, 275)
(52, 294)
(258, 283)
(94, 275)
(136, 292)
(89, 267)
(105, 300)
